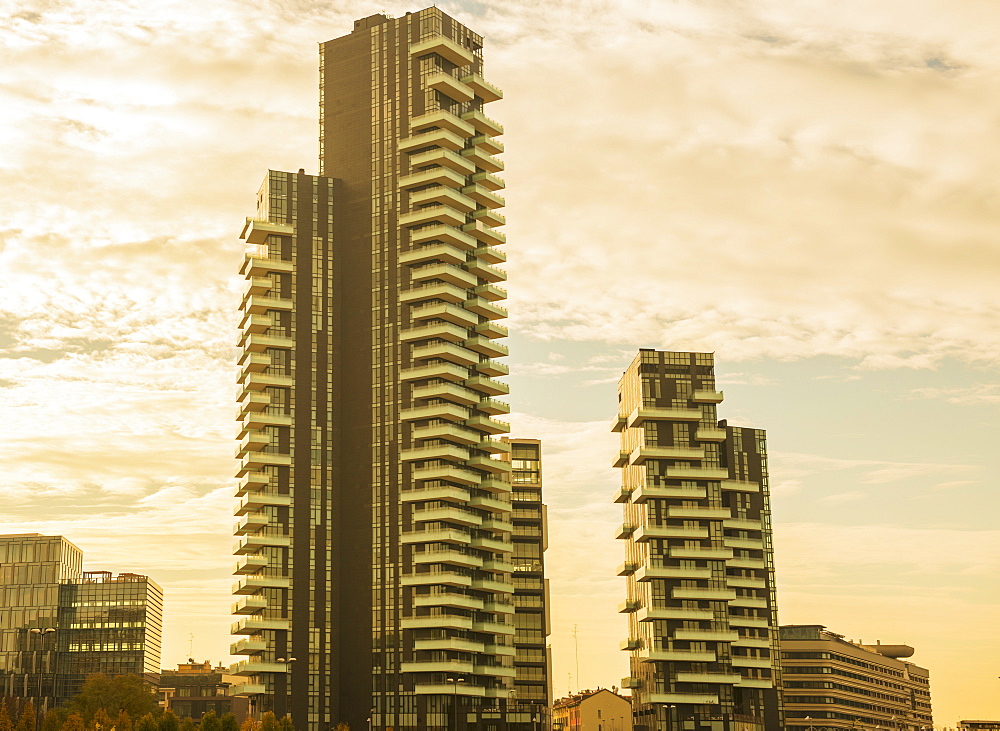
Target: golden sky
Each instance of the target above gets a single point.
(809, 189)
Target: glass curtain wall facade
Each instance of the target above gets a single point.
(532, 661)
(375, 508)
(32, 568)
(108, 624)
(699, 563)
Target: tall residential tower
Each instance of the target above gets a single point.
(374, 528)
(700, 588)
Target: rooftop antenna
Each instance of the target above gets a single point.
(576, 643)
(191, 644)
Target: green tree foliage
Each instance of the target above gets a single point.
(286, 724)
(123, 722)
(228, 722)
(52, 722)
(249, 724)
(29, 718)
(5, 722)
(188, 724)
(269, 722)
(210, 722)
(101, 721)
(169, 722)
(74, 722)
(122, 692)
(146, 723)
(343, 727)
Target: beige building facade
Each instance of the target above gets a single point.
(832, 683)
(592, 710)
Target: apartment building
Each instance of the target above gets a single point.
(700, 575)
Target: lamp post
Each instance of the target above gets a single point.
(41, 634)
(454, 694)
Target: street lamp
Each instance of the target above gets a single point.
(454, 694)
(41, 634)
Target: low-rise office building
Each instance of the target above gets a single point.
(832, 683)
(592, 710)
(195, 688)
(979, 725)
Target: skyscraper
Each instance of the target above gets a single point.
(700, 587)
(375, 519)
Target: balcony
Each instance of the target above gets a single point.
(444, 390)
(742, 620)
(435, 213)
(443, 47)
(485, 308)
(498, 525)
(442, 196)
(750, 602)
(742, 661)
(451, 432)
(251, 564)
(648, 492)
(622, 494)
(256, 625)
(493, 545)
(714, 595)
(449, 557)
(438, 666)
(488, 180)
(705, 635)
(490, 255)
(436, 578)
(496, 486)
(696, 473)
(260, 305)
(718, 678)
(439, 330)
(250, 523)
(492, 407)
(448, 599)
(433, 138)
(496, 628)
(488, 425)
(487, 385)
(655, 614)
(499, 565)
(493, 586)
(255, 266)
(447, 452)
(639, 455)
(252, 440)
(446, 371)
(464, 689)
(740, 486)
(433, 290)
(649, 573)
(249, 646)
(491, 329)
(624, 531)
(755, 683)
(745, 563)
(254, 584)
(444, 120)
(260, 381)
(449, 86)
(489, 217)
(710, 554)
(457, 644)
(489, 503)
(254, 667)
(707, 397)
(256, 230)
(254, 461)
(259, 343)
(444, 311)
(493, 368)
(483, 89)
(449, 411)
(647, 532)
(436, 535)
(445, 351)
(490, 292)
(443, 234)
(483, 124)
(446, 159)
(674, 698)
(484, 196)
(448, 514)
(254, 543)
(705, 434)
(484, 233)
(446, 493)
(483, 160)
(486, 271)
(259, 285)
(629, 606)
(675, 511)
(763, 643)
(743, 524)
(246, 689)
(654, 655)
(746, 582)
(754, 544)
(487, 347)
(491, 145)
(628, 568)
(659, 413)
(433, 176)
(444, 272)
(448, 473)
(249, 605)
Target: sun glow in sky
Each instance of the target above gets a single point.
(806, 188)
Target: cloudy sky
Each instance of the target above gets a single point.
(808, 189)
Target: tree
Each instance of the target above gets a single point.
(122, 692)
(123, 722)
(228, 722)
(169, 722)
(188, 724)
(5, 723)
(269, 722)
(29, 718)
(73, 722)
(101, 721)
(249, 724)
(286, 724)
(146, 723)
(51, 722)
(343, 727)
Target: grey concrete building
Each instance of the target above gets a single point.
(699, 565)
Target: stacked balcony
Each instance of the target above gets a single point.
(260, 541)
(455, 495)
